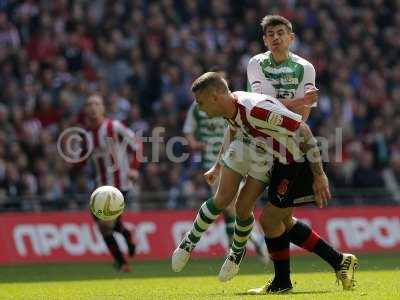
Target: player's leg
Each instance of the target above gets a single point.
(229, 218)
(260, 168)
(303, 236)
(210, 209)
(228, 213)
(207, 214)
(245, 203)
(119, 227)
(272, 221)
(106, 229)
(277, 241)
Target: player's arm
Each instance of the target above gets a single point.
(255, 76)
(212, 174)
(306, 95)
(135, 148)
(311, 150)
(228, 138)
(189, 129)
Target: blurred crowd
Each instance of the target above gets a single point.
(142, 57)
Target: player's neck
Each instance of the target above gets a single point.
(96, 122)
(280, 56)
(231, 110)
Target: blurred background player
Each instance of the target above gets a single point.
(112, 142)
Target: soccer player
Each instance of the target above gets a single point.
(240, 162)
(282, 75)
(282, 134)
(279, 72)
(113, 167)
(206, 135)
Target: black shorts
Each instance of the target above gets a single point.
(291, 185)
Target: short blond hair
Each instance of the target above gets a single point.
(209, 80)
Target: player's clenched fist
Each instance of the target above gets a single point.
(212, 174)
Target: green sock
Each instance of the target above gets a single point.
(229, 227)
(207, 214)
(242, 233)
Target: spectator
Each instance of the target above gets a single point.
(142, 57)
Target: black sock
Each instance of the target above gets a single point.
(114, 249)
(119, 227)
(303, 236)
(279, 251)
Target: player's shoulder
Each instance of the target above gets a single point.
(249, 99)
(114, 122)
(259, 58)
(193, 108)
(115, 125)
(300, 60)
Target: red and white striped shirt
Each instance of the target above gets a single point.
(267, 122)
(112, 153)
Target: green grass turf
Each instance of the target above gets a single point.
(377, 278)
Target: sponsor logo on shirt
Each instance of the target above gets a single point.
(275, 119)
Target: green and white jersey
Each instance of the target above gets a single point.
(209, 131)
(287, 80)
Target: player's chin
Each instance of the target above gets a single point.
(210, 114)
(275, 48)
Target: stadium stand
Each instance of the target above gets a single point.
(142, 57)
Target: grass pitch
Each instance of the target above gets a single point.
(378, 278)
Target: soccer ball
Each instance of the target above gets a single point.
(107, 202)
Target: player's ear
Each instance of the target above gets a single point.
(292, 36)
(265, 39)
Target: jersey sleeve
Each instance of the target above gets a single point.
(308, 81)
(255, 76)
(134, 142)
(190, 124)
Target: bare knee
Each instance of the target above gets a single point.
(268, 221)
(289, 222)
(272, 218)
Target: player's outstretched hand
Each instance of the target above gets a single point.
(310, 96)
(321, 190)
(212, 174)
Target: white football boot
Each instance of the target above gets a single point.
(181, 255)
(231, 265)
(346, 271)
